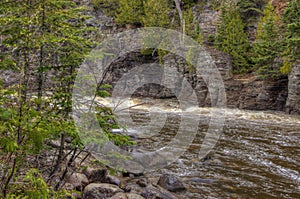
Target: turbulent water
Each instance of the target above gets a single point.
(257, 155)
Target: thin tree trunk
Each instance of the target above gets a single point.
(40, 70)
(177, 3)
(60, 154)
(182, 22)
(10, 177)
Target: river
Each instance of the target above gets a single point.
(256, 156)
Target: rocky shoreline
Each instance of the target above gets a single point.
(96, 183)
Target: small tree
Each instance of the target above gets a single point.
(156, 13)
(130, 12)
(232, 38)
(291, 21)
(38, 36)
(250, 10)
(267, 44)
(192, 27)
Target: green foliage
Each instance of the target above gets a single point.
(156, 13)
(161, 53)
(232, 38)
(103, 90)
(150, 13)
(107, 122)
(33, 186)
(267, 45)
(192, 28)
(250, 10)
(112, 171)
(215, 4)
(287, 66)
(291, 21)
(109, 7)
(130, 12)
(97, 3)
(190, 54)
(37, 126)
(56, 41)
(211, 39)
(38, 37)
(120, 140)
(36, 186)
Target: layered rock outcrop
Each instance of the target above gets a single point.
(293, 100)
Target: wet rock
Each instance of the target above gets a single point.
(76, 195)
(78, 180)
(68, 186)
(131, 175)
(133, 168)
(96, 175)
(142, 182)
(151, 192)
(127, 196)
(152, 179)
(113, 180)
(100, 191)
(133, 188)
(171, 183)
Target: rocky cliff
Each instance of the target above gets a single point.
(293, 100)
(244, 92)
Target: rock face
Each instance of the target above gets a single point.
(125, 65)
(171, 183)
(100, 191)
(254, 94)
(173, 73)
(151, 192)
(293, 100)
(243, 93)
(207, 19)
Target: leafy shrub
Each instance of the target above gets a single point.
(211, 39)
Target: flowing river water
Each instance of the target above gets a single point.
(257, 155)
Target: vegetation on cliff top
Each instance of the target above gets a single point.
(270, 55)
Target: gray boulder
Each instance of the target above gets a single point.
(113, 180)
(96, 175)
(127, 196)
(100, 191)
(171, 183)
(77, 180)
(151, 192)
